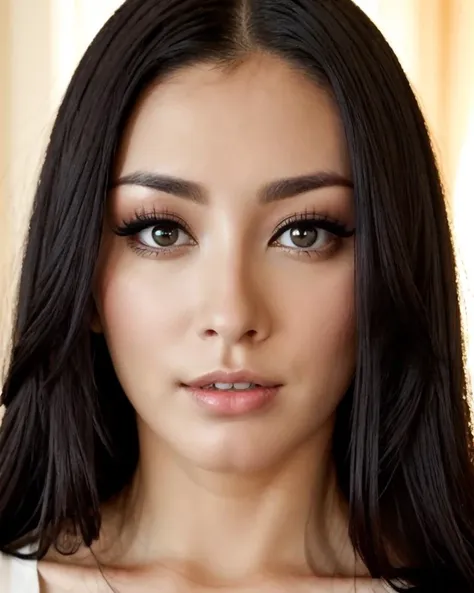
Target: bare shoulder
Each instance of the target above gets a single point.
(55, 577)
(318, 585)
(59, 572)
(338, 585)
(79, 572)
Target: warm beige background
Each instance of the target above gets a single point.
(41, 41)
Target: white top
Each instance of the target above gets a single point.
(18, 576)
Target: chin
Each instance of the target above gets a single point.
(235, 449)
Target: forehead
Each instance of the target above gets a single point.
(263, 119)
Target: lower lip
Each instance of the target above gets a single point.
(233, 403)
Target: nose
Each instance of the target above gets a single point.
(233, 304)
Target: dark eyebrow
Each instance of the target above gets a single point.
(271, 192)
(294, 186)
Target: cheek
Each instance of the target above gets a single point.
(322, 327)
(320, 306)
(139, 306)
(327, 327)
(141, 310)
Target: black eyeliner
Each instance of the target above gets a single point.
(144, 220)
(311, 219)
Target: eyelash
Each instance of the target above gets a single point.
(308, 219)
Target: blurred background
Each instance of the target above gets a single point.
(41, 42)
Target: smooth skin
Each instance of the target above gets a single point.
(221, 504)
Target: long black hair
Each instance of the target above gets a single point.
(403, 443)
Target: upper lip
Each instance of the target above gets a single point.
(232, 377)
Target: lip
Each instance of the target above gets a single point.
(242, 376)
(233, 403)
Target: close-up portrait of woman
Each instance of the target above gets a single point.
(237, 362)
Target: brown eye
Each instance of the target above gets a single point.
(305, 236)
(164, 235)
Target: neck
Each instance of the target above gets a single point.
(233, 526)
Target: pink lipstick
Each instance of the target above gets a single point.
(232, 393)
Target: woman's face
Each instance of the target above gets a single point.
(239, 276)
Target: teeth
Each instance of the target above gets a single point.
(230, 386)
(222, 386)
(239, 386)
